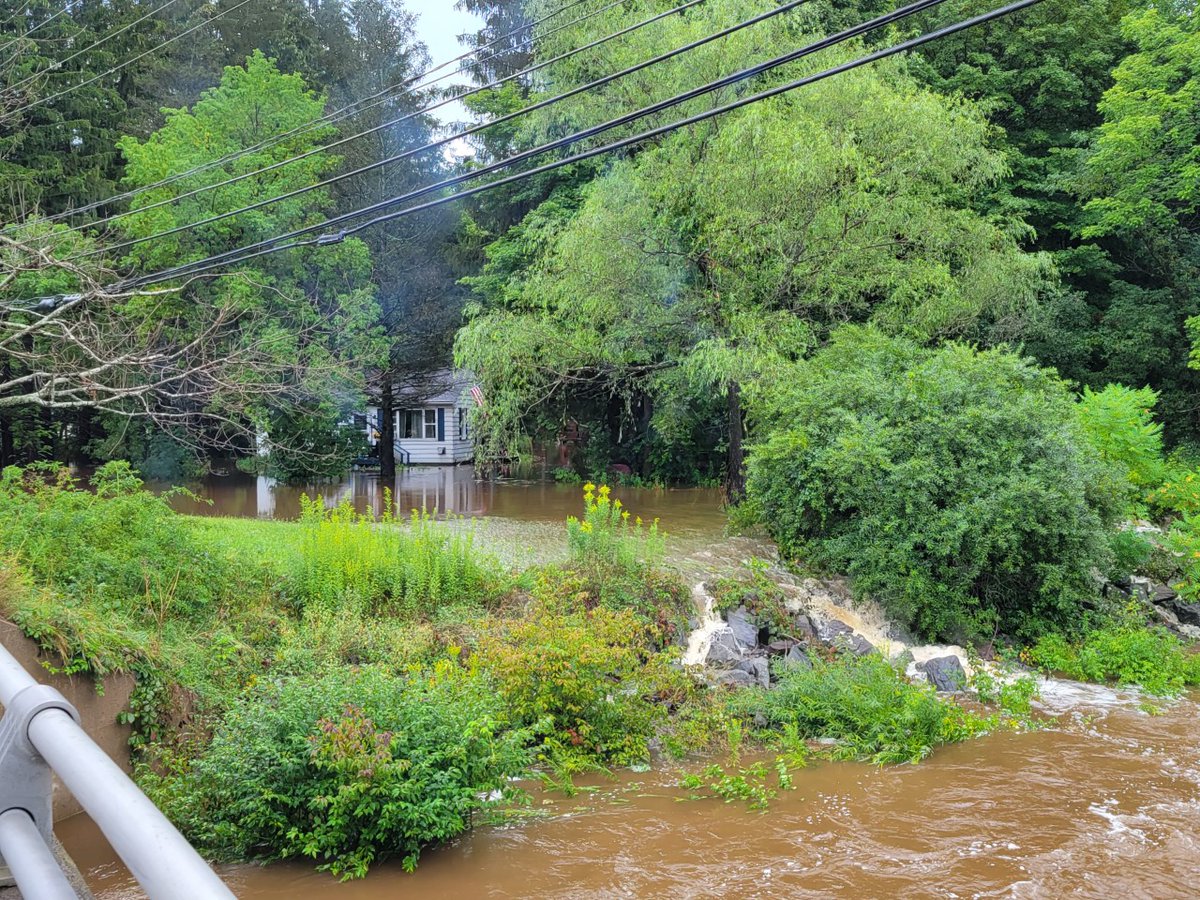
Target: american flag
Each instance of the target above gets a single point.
(477, 395)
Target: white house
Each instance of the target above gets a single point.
(432, 422)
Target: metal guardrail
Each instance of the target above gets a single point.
(40, 735)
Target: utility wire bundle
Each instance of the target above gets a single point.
(338, 228)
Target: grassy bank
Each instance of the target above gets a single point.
(346, 689)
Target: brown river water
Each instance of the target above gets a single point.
(1104, 803)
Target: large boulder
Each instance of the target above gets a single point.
(945, 673)
(744, 627)
(1160, 593)
(735, 678)
(841, 636)
(798, 657)
(1186, 613)
(831, 629)
(803, 627)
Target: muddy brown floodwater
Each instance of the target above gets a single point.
(1105, 803)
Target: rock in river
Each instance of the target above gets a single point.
(723, 649)
(945, 673)
(757, 668)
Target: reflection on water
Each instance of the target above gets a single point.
(1106, 805)
(446, 490)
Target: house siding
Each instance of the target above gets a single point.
(451, 450)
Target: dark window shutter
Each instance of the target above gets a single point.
(441, 424)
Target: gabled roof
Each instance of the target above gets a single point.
(446, 387)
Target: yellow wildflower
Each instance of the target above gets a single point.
(588, 488)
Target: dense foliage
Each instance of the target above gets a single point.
(953, 485)
(1123, 651)
(349, 768)
(872, 710)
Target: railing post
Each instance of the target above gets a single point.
(26, 781)
(40, 736)
(30, 859)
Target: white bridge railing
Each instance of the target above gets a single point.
(40, 735)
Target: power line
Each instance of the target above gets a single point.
(202, 266)
(430, 146)
(18, 14)
(46, 21)
(386, 125)
(904, 47)
(120, 66)
(328, 118)
(108, 37)
(592, 131)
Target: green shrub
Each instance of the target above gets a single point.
(1123, 651)
(348, 768)
(953, 485)
(1119, 423)
(116, 547)
(584, 679)
(1131, 552)
(866, 705)
(352, 557)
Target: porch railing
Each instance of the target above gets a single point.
(398, 451)
(40, 736)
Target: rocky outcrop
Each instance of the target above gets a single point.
(741, 647)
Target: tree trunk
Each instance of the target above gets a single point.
(735, 471)
(7, 454)
(84, 420)
(387, 431)
(645, 415)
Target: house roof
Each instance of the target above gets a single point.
(446, 387)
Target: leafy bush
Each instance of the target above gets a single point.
(863, 703)
(116, 547)
(1124, 651)
(953, 485)
(348, 557)
(1131, 552)
(584, 679)
(1119, 423)
(348, 768)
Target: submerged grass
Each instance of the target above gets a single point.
(1123, 651)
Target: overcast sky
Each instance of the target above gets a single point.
(439, 26)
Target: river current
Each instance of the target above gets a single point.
(1103, 803)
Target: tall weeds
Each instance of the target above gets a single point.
(409, 569)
